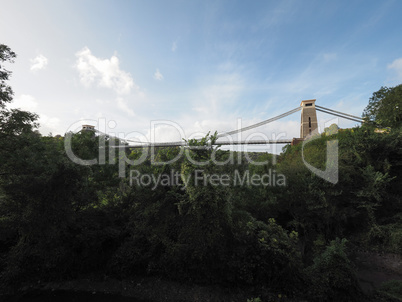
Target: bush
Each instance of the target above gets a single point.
(332, 275)
(386, 238)
(265, 254)
(392, 287)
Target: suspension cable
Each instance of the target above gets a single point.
(318, 108)
(342, 116)
(353, 116)
(260, 123)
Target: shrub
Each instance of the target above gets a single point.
(332, 275)
(392, 287)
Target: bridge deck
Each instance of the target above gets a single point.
(227, 143)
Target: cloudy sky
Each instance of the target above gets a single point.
(202, 65)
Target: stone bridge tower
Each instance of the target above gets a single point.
(308, 118)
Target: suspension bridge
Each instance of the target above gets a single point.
(308, 126)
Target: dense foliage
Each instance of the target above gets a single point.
(6, 93)
(61, 220)
(385, 107)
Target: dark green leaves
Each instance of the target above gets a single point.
(6, 93)
(385, 107)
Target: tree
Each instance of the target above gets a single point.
(385, 107)
(6, 93)
(333, 275)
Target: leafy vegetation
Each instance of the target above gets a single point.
(392, 288)
(61, 220)
(385, 107)
(6, 92)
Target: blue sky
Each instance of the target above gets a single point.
(200, 64)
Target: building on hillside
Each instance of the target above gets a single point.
(88, 128)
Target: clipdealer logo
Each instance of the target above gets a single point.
(114, 148)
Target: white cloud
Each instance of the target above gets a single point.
(157, 75)
(174, 46)
(122, 104)
(165, 133)
(48, 123)
(25, 102)
(104, 72)
(40, 62)
(397, 66)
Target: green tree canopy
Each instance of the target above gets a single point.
(385, 107)
(6, 93)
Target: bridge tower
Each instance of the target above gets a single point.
(308, 118)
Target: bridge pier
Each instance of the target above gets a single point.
(296, 141)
